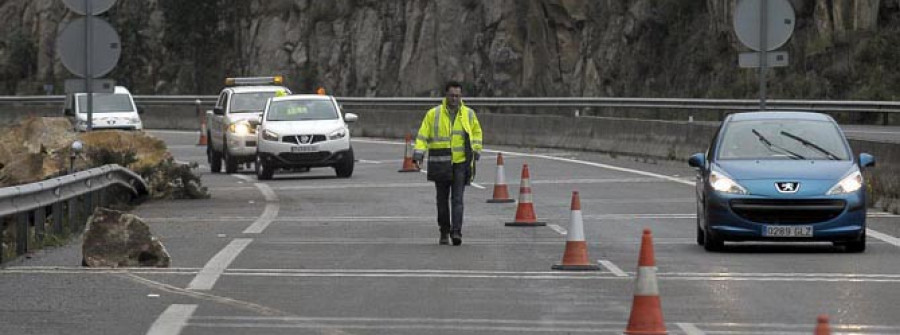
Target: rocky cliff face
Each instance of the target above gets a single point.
(676, 48)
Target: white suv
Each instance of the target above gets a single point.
(304, 131)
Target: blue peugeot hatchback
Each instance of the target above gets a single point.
(780, 176)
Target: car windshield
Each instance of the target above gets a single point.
(106, 103)
(250, 102)
(300, 110)
(782, 139)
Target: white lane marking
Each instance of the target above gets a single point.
(217, 265)
(270, 213)
(689, 328)
(365, 161)
(243, 177)
(172, 320)
(884, 237)
(612, 267)
(477, 186)
(267, 192)
(421, 327)
(558, 229)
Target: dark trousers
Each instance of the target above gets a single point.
(451, 192)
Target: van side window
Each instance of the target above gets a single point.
(221, 102)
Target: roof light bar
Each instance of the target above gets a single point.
(276, 80)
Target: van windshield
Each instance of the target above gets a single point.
(250, 102)
(107, 103)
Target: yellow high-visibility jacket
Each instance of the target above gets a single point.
(445, 141)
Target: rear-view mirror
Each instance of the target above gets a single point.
(350, 117)
(866, 160)
(697, 160)
(218, 111)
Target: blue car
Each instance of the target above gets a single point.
(780, 176)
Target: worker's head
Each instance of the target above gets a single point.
(453, 94)
(320, 90)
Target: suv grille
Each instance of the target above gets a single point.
(295, 139)
(305, 157)
(788, 211)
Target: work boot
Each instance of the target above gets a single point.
(456, 235)
(445, 239)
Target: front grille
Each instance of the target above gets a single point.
(304, 157)
(295, 139)
(776, 211)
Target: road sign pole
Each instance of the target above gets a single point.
(88, 34)
(763, 66)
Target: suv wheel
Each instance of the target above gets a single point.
(214, 159)
(263, 170)
(344, 168)
(231, 165)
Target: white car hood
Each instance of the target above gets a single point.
(105, 116)
(323, 127)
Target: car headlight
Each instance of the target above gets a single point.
(240, 128)
(849, 184)
(724, 184)
(337, 134)
(269, 135)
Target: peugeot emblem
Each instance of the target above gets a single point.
(304, 139)
(787, 186)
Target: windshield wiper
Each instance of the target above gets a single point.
(811, 145)
(772, 147)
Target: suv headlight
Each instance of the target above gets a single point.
(849, 184)
(269, 135)
(724, 184)
(241, 128)
(338, 134)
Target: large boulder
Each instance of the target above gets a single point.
(116, 239)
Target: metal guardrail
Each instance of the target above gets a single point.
(28, 203)
(574, 102)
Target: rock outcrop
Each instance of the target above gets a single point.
(116, 239)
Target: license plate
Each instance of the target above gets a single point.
(788, 231)
(308, 148)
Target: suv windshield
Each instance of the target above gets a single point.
(106, 103)
(250, 102)
(300, 110)
(782, 139)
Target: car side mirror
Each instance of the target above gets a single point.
(866, 160)
(68, 112)
(350, 117)
(140, 111)
(218, 111)
(697, 160)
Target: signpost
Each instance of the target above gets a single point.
(763, 25)
(89, 48)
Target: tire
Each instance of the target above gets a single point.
(263, 171)
(701, 239)
(857, 246)
(214, 159)
(231, 165)
(344, 168)
(711, 242)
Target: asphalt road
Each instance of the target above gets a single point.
(310, 253)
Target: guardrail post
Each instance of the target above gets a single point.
(21, 233)
(57, 218)
(88, 207)
(40, 220)
(72, 206)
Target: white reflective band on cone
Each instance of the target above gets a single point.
(576, 230)
(525, 198)
(646, 281)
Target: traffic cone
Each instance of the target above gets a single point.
(408, 165)
(203, 140)
(822, 327)
(525, 211)
(576, 257)
(646, 310)
(501, 193)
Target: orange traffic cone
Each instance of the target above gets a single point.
(646, 310)
(408, 165)
(576, 256)
(203, 140)
(501, 193)
(822, 327)
(525, 211)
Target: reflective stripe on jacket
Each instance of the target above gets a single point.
(436, 133)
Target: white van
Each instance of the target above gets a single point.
(110, 110)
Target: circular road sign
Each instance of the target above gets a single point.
(97, 6)
(780, 23)
(105, 49)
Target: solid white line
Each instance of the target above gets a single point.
(267, 192)
(612, 268)
(172, 320)
(243, 177)
(217, 265)
(270, 213)
(558, 229)
(369, 162)
(884, 237)
(689, 328)
(477, 186)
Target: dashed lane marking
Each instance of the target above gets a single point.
(206, 279)
(558, 229)
(172, 320)
(612, 267)
(689, 328)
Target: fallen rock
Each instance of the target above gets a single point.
(117, 239)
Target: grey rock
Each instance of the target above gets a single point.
(116, 239)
